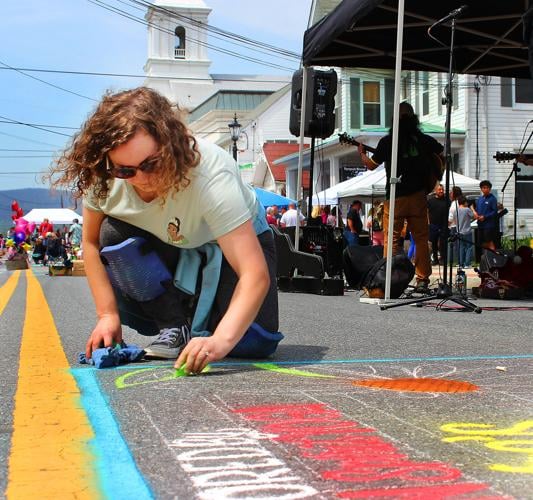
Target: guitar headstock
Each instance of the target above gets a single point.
(504, 156)
(344, 138)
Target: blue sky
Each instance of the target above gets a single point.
(77, 35)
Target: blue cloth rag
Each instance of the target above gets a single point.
(107, 357)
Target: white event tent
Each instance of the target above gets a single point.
(373, 186)
(59, 216)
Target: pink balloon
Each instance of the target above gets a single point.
(20, 229)
(22, 222)
(31, 227)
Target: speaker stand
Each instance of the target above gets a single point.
(443, 293)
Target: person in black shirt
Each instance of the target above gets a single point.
(354, 224)
(438, 220)
(416, 167)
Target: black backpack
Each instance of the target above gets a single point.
(402, 273)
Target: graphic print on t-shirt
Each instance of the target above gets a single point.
(173, 231)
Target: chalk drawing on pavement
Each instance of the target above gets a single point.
(414, 383)
(515, 441)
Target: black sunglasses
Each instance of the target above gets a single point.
(147, 166)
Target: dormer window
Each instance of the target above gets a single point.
(179, 42)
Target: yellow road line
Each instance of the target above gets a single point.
(7, 290)
(50, 451)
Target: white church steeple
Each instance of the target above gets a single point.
(177, 43)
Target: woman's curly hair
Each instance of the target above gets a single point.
(82, 166)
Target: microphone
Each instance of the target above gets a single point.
(454, 13)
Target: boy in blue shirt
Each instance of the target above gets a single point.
(486, 215)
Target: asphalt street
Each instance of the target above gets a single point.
(411, 402)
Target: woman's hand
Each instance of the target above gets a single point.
(106, 333)
(202, 350)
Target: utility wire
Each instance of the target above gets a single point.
(33, 126)
(37, 125)
(127, 15)
(129, 75)
(47, 83)
(29, 140)
(222, 35)
(28, 150)
(213, 29)
(344, 81)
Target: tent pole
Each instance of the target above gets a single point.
(394, 153)
(311, 169)
(299, 195)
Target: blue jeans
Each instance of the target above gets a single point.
(466, 249)
(351, 239)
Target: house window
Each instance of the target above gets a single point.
(417, 93)
(523, 91)
(367, 102)
(406, 87)
(371, 103)
(524, 187)
(516, 93)
(439, 93)
(425, 93)
(338, 105)
(179, 43)
(455, 94)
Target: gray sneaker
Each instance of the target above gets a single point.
(169, 343)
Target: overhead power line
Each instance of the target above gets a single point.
(29, 140)
(38, 127)
(239, 39)
(47, 83)
(28, 150)
(129, 75)
(131, 17)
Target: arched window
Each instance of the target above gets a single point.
(179, 43)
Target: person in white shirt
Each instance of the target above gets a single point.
(141, 174)
(291, 216)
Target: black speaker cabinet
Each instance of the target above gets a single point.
(319, 120)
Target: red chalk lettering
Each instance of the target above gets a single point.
(287, 412)
(409, 471)
(440, 492)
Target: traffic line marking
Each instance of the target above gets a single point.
(7, 290)
(51, 454)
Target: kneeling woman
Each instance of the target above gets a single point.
(163, 213)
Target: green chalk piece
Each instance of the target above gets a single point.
(180, 372)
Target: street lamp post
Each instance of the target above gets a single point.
(235, 132)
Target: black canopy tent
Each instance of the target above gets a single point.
(489, 40)
(362, 33)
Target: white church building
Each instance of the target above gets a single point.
(178, 67)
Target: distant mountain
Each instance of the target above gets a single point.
(30, 198)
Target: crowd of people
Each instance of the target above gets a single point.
(50, 245)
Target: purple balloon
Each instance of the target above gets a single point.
(20, 236)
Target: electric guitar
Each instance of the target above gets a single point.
(507, 156)
(344, 138)
(435, 172)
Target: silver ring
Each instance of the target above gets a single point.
(207, 353)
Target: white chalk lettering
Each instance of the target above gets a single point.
(232, 463)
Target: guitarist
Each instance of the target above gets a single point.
(416, 172)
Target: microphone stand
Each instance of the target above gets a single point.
(514, 170)
(444, 290)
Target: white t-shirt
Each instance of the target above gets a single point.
(214, 203)
(290, 217)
